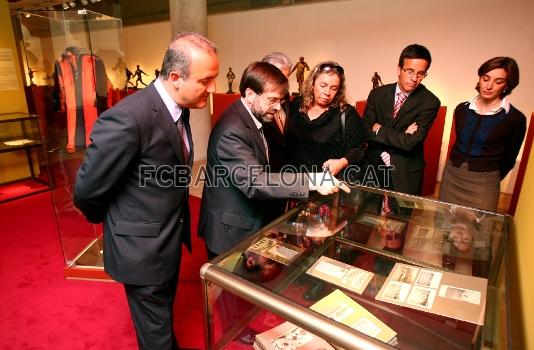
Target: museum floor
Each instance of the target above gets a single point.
(41, 310)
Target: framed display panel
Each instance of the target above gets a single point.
(456, 298)
(74, 64)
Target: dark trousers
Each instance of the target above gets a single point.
(151, 310)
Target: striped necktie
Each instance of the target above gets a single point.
(401, 97)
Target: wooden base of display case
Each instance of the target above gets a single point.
(89, 264)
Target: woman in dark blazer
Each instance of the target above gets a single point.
(489, 134)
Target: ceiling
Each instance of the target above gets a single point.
(134, 12)
(15, 5)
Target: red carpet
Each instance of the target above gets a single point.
(20, 189)
(42, 310)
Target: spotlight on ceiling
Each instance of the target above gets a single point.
(72, 4)
(84, 2)
(65, 6)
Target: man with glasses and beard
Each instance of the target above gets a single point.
(238, 181)
(397, 119)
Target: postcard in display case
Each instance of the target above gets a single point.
(289, 336)
(341, 274)
(444, 293)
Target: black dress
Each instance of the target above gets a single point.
(310, 143)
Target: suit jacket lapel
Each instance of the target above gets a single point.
(249, 123)
(165, 122)
(388, 107)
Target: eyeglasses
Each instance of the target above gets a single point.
(272, 100)
(327, 67)
(411, 73)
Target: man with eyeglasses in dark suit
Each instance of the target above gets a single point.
(397, 119)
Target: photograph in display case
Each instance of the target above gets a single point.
(422, 296)
(429, 278)
(461, 294)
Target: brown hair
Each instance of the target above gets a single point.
(258, 74)
(308, 99)
(506, 63)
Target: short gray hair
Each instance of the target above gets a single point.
(278, 59)
(178, 55)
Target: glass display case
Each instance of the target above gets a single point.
(20, 137)
(428, 274)
(75, 69)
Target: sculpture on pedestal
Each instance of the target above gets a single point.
(300, 66)
(230, 76)
(377, 81)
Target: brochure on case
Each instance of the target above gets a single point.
(340, 307)
(276, 250)
(341, 274)
(289, 336)
(443, 293)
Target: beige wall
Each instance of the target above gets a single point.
(13, 166)
(522, 244)
(366, 36)
(10, 100)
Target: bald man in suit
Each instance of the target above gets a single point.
(135, 178)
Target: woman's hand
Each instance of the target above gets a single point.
(335, 165)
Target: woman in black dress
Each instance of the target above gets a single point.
(324, 131)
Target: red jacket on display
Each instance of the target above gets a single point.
(83, 85)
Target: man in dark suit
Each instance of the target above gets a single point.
(275, 133)
(397, 120)
(233, 200)
(134, 179)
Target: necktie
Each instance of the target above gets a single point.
(386, 158)
(180, 124)
(401, 97)
(264, 143)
